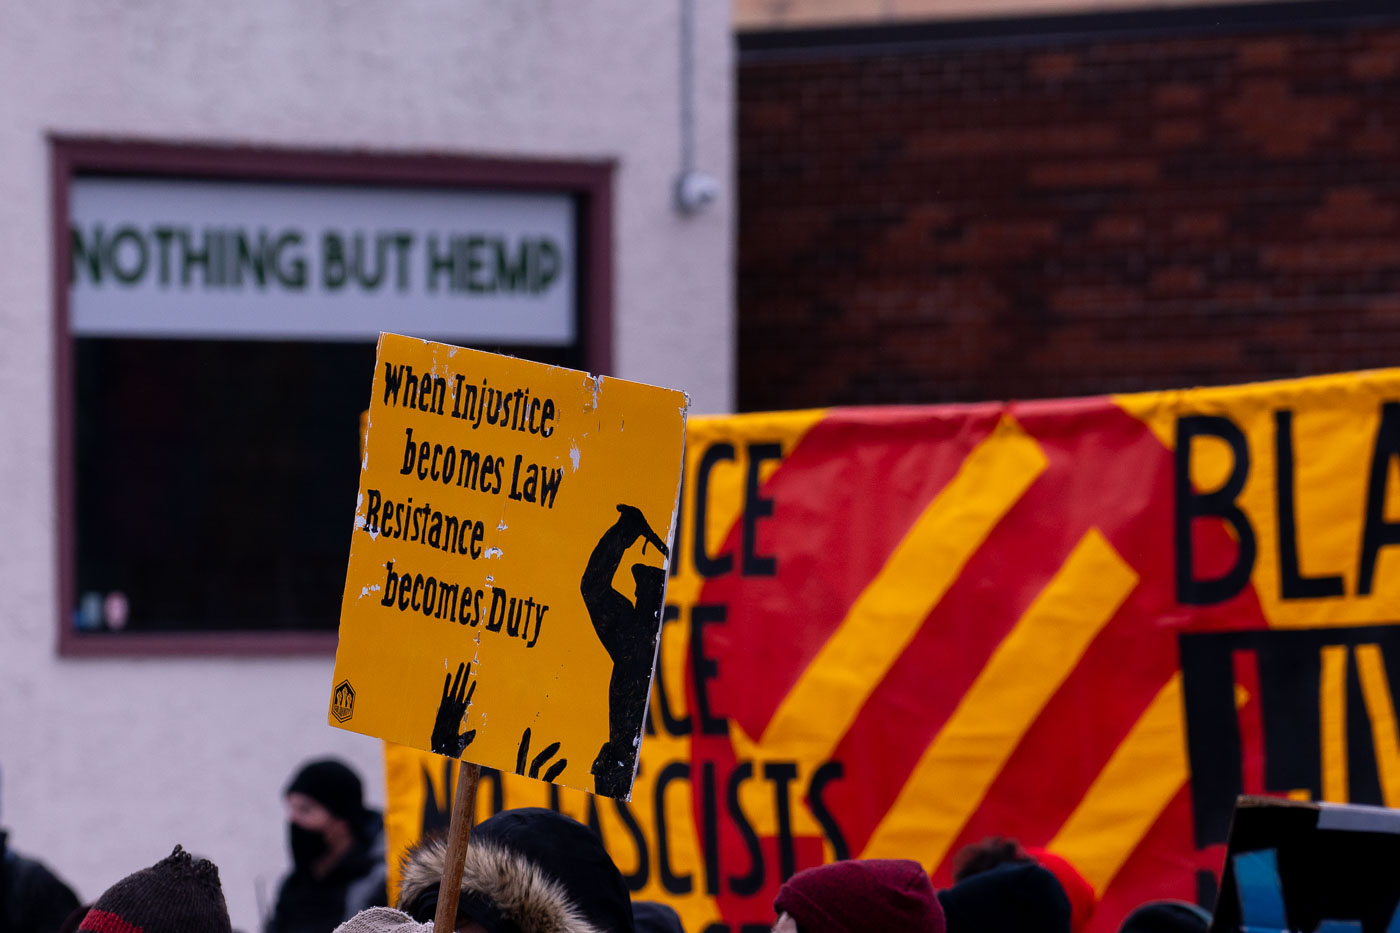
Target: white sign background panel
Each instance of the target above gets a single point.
(472, 301)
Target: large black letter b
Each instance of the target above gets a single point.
(1191, 505)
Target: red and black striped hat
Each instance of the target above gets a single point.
(175, 895)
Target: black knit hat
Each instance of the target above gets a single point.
(651, 917)
(1166, 917)
(1019, 896)
(175, 895)
(528, 871)
(571, 854)
(334, 786)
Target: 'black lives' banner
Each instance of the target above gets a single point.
(891, 632)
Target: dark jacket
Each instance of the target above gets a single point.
(306, 904)
(32, 899)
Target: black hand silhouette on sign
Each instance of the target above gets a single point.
(628, 632)
(456, 697)
(549, 752)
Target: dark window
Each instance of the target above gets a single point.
(216, 480)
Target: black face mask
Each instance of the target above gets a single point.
(307, 845)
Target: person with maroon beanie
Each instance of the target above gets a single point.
(859, 896)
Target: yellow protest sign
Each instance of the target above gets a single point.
(508, 563)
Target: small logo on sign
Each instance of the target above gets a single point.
(343, 702)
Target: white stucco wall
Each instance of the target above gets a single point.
(107, 763)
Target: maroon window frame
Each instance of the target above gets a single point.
(590, 182)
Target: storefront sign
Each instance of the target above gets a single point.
(245, 260)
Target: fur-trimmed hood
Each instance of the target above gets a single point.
(527, 870)
(496, 879)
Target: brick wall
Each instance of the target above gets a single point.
(1100, 212)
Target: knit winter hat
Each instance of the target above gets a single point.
(1020, 896)
(1166, 917)
(862, 896)
(651, 917)
(334, 786)
(176, 895)
(383, 920)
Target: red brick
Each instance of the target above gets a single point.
(1375, 65)
(1269, 114)
(1200, 225)
(1174, 133)
(982, 141)
(989, 241)
(1053, 65)
(1374, 141)
(1351, 210)
(1334, 257)
(1119, 227)
(1179, 96)
(1264, 53)
(770, 117)
(1175, 280)
(1091, 215)
(1247, 296)
(1093, 174)
(1085, 298)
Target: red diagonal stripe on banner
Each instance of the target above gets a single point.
(874, 471)
(998, 584)
(925, 685)
(1127, 494)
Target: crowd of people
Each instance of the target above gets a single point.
(538, 871)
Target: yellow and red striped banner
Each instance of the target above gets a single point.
(1087, 624)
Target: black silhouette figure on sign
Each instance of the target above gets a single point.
(628, 631)
(456, 697)
(540, 760)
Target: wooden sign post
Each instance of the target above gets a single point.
(459, 835)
